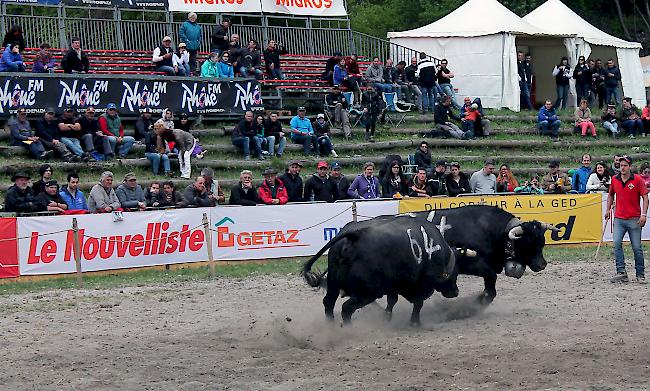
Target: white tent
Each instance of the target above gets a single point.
(560, 19)
(478, 39)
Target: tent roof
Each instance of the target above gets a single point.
(567, 22)
(472, 19)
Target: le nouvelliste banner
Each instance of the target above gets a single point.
(579, 217)
(8, 248)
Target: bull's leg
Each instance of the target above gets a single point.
(391, 299)
(330, 299)
(482, 269)
(351, 305)
(415, 315)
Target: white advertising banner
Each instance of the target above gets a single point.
(177, 236)
(216, 6)
(609, 229)
(305, 7)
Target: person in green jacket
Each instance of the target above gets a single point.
(210, 67)
(190, 33)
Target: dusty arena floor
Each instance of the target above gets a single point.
(564, 328)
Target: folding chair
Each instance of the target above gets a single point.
(390, 98)
(410, 168)
(328, 109)
(349, 97)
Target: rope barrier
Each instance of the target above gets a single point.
(144, 240)
(29, 237)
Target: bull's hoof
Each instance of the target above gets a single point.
(485, 298)
(388, 315)
(415, 324)
(450, 294)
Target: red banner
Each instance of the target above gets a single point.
(8, 248)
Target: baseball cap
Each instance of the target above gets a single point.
(336, 166)
(50, 110)
(302, 108)
(269, 171)
(298, 162)
(626, 158)
(554, 163)
(167, 38)
(51, 182)
(147, 110)
(322, 164)
(321, 115)
(69, 109)
(182, 45)
(441, 162)
(129, 176)
(111, 106)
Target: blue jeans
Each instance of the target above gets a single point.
(308, 142)
(633, 126)
(244, 72)
(282, 142)
(184, 69)
(448, 90)
(16, 67)
(269, 143)
(383, 87)
(245, 144)
(524, 89)
(155, 161)
(73, 144)
(562, 96)
(428, 98)
(631, 226)
(35, 149)
(611, 127)
(612, 92)
(583, 91)
(169, 70)
(124, 147)
(276, 73)
(325, 146)
(551, 128)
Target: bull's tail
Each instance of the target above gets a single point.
(316, 279)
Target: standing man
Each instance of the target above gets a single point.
(426, 74)
(302, 132)
(628, 189)
(190, 34)
(483, 181)
(525, 81)
(612, 76)
(272, 60)
(444, 76)
(412, 83)
(219, 39)
(75, 61)
(292, 181)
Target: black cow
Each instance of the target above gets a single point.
(388, 255)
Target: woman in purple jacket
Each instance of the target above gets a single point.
(365, 186)
(44, 62)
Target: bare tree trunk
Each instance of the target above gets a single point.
(622, 20)
(643, 18)
(647, 9)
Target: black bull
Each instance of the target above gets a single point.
(498, 237)
(389, 255)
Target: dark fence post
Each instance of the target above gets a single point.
(60, 13)
(117, 15)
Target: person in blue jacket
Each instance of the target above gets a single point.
(71, 194)
(190, 33)
(225, 69)
(581, 175)
(11, 60)
(548, 121)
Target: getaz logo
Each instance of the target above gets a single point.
(255, 240)
(133, 96)
(208, 96)
(245, 97)
(78, 94)
(12, 95)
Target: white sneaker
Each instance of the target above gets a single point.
(334, 154)
(265, 152)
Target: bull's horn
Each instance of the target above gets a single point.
(550, 226)
(470, 253)
(516, 233)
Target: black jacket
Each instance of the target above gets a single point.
(72, 62)
(585, 78)
(217, 40)
(317, 189)
(272, 56)
(332, 99)
(342, 184)
(22, 201)
(524, 71)
(372, 101)
(240, 197)
(438, 184)
(388, 189)
(422, 159)
(142, 126)
(442, 113)
(409, 74)
(273, 128)
(320, 129)
(150, 142)
(175, 199)
(293, 185)
(390, 75)
(244, 129)
(455, 188)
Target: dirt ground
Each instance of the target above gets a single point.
(563, 328)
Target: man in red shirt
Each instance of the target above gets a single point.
(628, 188)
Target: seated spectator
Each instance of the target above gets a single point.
(599, 180)
(342, 183)
(197, 195)
(102, 197)
(631, 119)
(45, 171)
(422, 157)
(152, 195)
(267, 142)
(272, 60)
(375, 76)
(101, 142)
(72, 196)
(373, 105)
(75, 60)
(292, 181)
(339, 110)
(210, 67)
(44, 62)
(483, 181)
(144, 124)
(130, 194)
(244, 193)
(441, 115)
(355, 76)
(556, 182)
(12, 60)
(420, 186)
(21, 134)
(169, 197)
(581, 175)
(181, 60)
(20, 198)
(272, 191)
(183, 141)
(548, 121)
(645, 174)
(506, 181)
(183, 123)
(273, 128)
(611, 121)
(457, 182)
(319, 186)
(340, 75)
(75, 139)
(583, 120)
(390, 78)
(473, 118)
(163, 59)
(438, 178)
(243, 136)
(155, 152)
(346, 81)
(321, 130)
(47, 131)
(51, 198)
(328, 74)
(394, 184)
(531, 187)
(469, 118)
(235, 51)
(411, 84)
(303, 133)
(214, 190)
(168, 118)
(250, 62)
(225, 69)
(111, 126)
(365, 186)
(645, 119)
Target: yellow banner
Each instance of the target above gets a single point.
(578, 216)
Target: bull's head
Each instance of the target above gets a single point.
(528, 238)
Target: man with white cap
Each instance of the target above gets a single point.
(162, 58)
